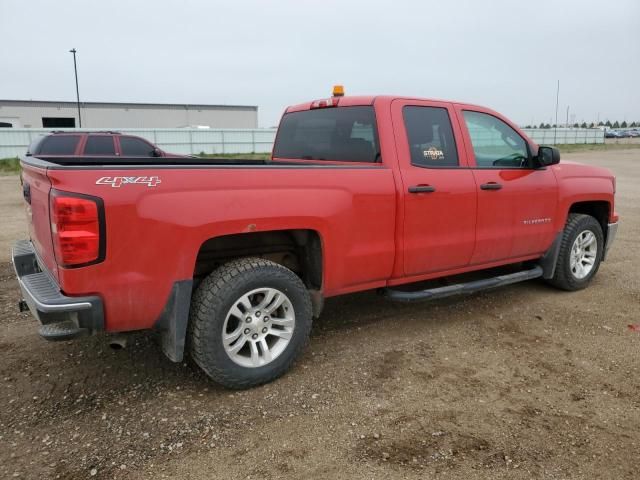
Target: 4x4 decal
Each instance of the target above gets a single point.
(118, 181)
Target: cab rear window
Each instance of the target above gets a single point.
(59, 145)
(346, 134)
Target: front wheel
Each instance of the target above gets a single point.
(249, 321)
(580, 253)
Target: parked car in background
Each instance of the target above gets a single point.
(94, 144)
(612, 134)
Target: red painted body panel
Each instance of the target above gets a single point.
(37, 211)
(373, 232)
(154, 234)
(501, 229)
(438, 228)
(583, 183)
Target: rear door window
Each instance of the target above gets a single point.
(59, 145)
(99, 145)
(430, 137)
(134, 147)
(346, 134)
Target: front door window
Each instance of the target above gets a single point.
(495, 144)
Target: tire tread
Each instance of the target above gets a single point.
(208, 300)
(562, 277)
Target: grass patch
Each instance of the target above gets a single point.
(585, 147)
(9, 165)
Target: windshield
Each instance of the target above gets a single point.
(346, 134)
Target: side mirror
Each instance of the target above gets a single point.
(156, 152)
(548, 156)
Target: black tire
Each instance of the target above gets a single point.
(563, 277)
(214, 298)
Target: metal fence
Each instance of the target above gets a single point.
(14, 141)
(562, 136)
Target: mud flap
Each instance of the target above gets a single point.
(172, 323)
(550, 258)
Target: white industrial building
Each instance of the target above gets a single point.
(49, 114)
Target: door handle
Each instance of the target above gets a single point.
(422, 189)
(490, 186)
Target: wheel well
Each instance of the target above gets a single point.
(597, 209)
(298, 250)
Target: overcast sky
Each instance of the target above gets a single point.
(507, 55)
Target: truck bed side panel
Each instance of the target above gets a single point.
(154, 232)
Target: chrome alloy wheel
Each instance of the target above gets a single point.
(258, 327)
(583, 254)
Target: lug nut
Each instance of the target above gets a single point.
(264, 330)
(246, 331)
(248, 320)
(258, 313)
(254, 336)
(265, 319)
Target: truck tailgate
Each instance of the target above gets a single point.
(36, 188)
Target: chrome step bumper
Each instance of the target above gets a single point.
(62, 317)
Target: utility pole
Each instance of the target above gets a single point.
(555, 130)
(75, 69)
(567, 122)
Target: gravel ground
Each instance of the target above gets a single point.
(523, 382)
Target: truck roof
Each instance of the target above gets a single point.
(360, 100)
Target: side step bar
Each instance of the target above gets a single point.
(462, 288)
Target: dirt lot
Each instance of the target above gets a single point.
(523, 382)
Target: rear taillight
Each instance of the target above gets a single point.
(77, 223)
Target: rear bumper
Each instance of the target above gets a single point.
(61, 317)
(612, 230)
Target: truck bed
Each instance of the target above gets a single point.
(56, 162)
(161, 212)
(143, 161)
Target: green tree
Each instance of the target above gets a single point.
(600, 124)
(608, 124)
(547, 125)
(584, 125)
(616, 124)
(576, 125)
(623, 124)
(634, 124)
(541, 125)
(592, 125)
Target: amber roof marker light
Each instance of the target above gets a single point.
(338, 91)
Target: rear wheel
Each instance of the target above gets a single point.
(249, 321)
(580, 253)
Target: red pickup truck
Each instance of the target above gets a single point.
(232, 259)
